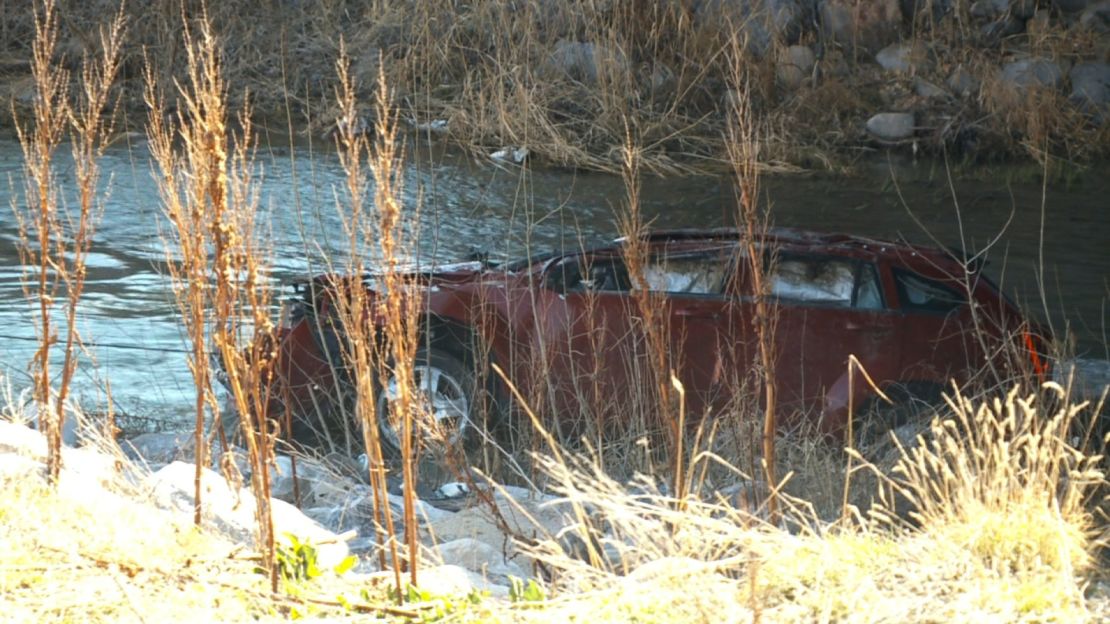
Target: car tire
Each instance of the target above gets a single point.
(451, 393)
(910, 401)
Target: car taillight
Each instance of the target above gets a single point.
(1036, 355)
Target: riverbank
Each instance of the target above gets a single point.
(829, 80)
(1017, 539)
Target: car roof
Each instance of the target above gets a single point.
(810, 241)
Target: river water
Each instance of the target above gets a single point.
(130, 322)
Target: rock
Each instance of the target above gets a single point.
(480, 557)
(586, 61)
(891, 126)
(933, 10)
(1038, 25)
(1005, 26)
(21, 440)
(834, 64)
(312, 477)
(1071, 6)
(868, 25)
(231, 512)
(1090, 88)
(901, 58)
(662, 79)
(962, 83)
(447, 580)
(763, 21)
(355, 510)
(15, 467)
(1023, 9)
(794, 66)
(1096, 17)
(537, 515)
(158, 449)
(926, 89)
(1032, 73)
(988, 8)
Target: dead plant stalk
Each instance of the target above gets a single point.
(353, 308)
(210, 198)
(62, 238)
(743, 147)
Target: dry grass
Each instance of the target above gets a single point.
(1001, 506)
(517, 74)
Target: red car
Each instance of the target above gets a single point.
(564, 328)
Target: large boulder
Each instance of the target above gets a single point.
(1096, 17)
(962, 82)
(480, 557)
(1090, 88)
(21, 440)
(867, 26)
(230, 512)
(989, 8)
(794, 65)
(762, 21)
(586, 61)
(1031, 73)
(158, 449)
(902, 58)
(891, 126)
(1072, 6)
(932, 10)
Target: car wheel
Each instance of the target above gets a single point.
(448, 394)
(911, 401)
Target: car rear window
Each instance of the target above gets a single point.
(925, 295)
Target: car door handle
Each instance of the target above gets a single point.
(692, 313)
(870, 329)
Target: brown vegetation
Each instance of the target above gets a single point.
(568, 79)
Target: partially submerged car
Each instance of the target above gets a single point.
(565, 329)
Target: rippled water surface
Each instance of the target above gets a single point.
(130, 321)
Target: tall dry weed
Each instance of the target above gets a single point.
(209, 193)
(56, 236)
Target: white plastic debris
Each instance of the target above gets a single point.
(453, 489)
(515, 155)
(437, 126)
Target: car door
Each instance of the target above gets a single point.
(602, 358)
(693, 308)
(826, 310)
(933, 328)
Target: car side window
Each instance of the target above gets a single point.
(596, 274)
(689, 275)
(925, 295)
(813, 280)
(686, 275)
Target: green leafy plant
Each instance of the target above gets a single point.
(436, 607)
(526, 591)
(297, 561)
